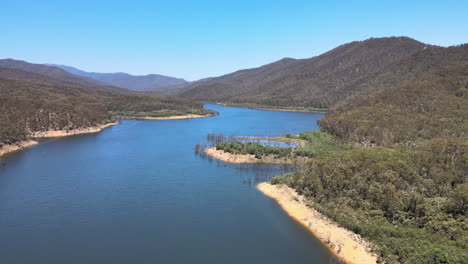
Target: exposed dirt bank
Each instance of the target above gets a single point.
(14, 147)
(343, 243)
(64, 133)
(166, 117)
(237, 158)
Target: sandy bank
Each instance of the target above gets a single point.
(64, 133)
(235, 158)
(14, 147)
(166, 117)
(344, 243)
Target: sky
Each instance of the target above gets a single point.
(198, 39)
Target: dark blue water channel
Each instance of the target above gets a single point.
(137, 193)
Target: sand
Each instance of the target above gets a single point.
(64, 133)
(14, 147)
(166, 117)
(343, 243)
(238, 159)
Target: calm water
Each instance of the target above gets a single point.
(137, 193)
(271, 143)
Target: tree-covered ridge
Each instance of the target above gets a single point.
(45, 104)
(354, 69)
(436, 106)
(404, 186)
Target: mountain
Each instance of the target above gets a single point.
(150, 82)
(50, 75)
(31, 102)
(57, 74)
(356, 68)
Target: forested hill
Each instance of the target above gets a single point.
(54, 73)
(32, 102)
(434, 106)
(403, 186)
(150, 82)
(356, 68)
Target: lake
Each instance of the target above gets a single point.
(137, 193)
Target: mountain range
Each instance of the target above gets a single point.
(354, 69)
(37, 97)
(150, 82)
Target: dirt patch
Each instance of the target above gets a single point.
(343, 243)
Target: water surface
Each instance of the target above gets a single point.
(137, 193)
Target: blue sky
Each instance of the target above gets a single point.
(197, 39)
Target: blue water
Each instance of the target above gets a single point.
(271, 143)
(137, 193)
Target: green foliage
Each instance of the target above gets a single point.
(27, 106)
(407, 191)
(416, 110)
(319, 142)
(354, 69)
(256, 149)
(411, 202)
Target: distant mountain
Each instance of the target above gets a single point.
(31, 102)
(46, 74)
(356, 68)
(150, 82)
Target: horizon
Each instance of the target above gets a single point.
(208, 39)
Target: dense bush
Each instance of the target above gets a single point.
(26, 107)
(318, 142)
(256, 149)
(435, 107)
(411, 202)
(407, 191)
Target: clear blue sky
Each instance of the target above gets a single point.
(197, 39)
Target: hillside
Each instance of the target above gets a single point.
(57, 74)
(31, 102)
(150, 82)
(403, 186)
(356, 68)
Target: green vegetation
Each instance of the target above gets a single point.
(309, 143)
(318, 142)
(256, 149)
(280, 108)
(162, 113)
(44, 104)
(436, 106)
(405, 189)
(358, 68)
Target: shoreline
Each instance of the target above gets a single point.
(274, 109)
(50, 134)
(343, 243)
(17, 146)
(240, 159)
(72, 132)
(190, 116)
(88, 130)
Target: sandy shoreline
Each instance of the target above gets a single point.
(64, 133)
(343, 243)
(238, 159)
(167, 117)
(51, 134)
(14, 147)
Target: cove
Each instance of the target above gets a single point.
(137, 193)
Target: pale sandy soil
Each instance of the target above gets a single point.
(64, 133)
(343, 243)
(167, 117)
(235, 158)
(14, 147)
